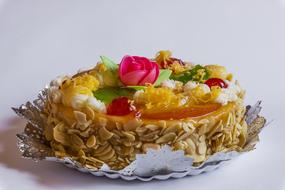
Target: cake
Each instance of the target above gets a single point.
(112, 112)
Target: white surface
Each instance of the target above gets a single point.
(42, 39)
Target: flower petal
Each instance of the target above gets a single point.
(134, 67)
(126, 61)
(155, 65)
(136, 70)
(151, 76)
(133, 78)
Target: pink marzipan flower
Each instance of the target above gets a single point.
(135, 70)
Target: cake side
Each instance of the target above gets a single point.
(110, 113)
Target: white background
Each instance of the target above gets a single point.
(42, 39)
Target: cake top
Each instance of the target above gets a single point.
(164, 87)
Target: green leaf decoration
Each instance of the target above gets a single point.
(111, 65)
(110, 76)
(198, 74)
(182, 77)
(164, 74)
(108, 94)
(136, 87)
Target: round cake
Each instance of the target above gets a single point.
(110, 113)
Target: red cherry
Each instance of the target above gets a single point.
(119, 106)
(216, 82)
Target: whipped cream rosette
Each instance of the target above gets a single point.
(116, 118)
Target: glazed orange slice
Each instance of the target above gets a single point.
(180, 113)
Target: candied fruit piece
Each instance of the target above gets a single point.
(216, 82)
(120, 106)
(183, 112)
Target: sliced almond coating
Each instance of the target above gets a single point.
(84, 126)
(81, 153)
(103, 152)
(203, 129)
(77, 141)
(202, 138)
(229, 120)
(202, 148)
(61, 148)
(94, 160)
(107, 156)
(199, 158)
(132, 125)
(102, 121)
(217, 128)
(91, 167)
(129, 136)
(181, 145)
(61, 137)
(147, 146)
(219, 143)
(85, 133)
(105, 134)
(243, 136)
(152, 127)
(124, 151)
(149, 137)
(91, 142)
(59, 154)
(73, 125)
(235, 130)
(204, 121)
(60, 126)
(99, 149)
(191, 144)
(183, 136)
(118, 126)
(80, 117)
(127, 143)
(117, 134)
(90, 112)
(187, 126)
(217, 136)
(138, 144)
(173, 128)
(140, 130)
(190, 151)
(150, 134)
(166, 138)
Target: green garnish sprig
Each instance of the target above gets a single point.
(198, 73)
